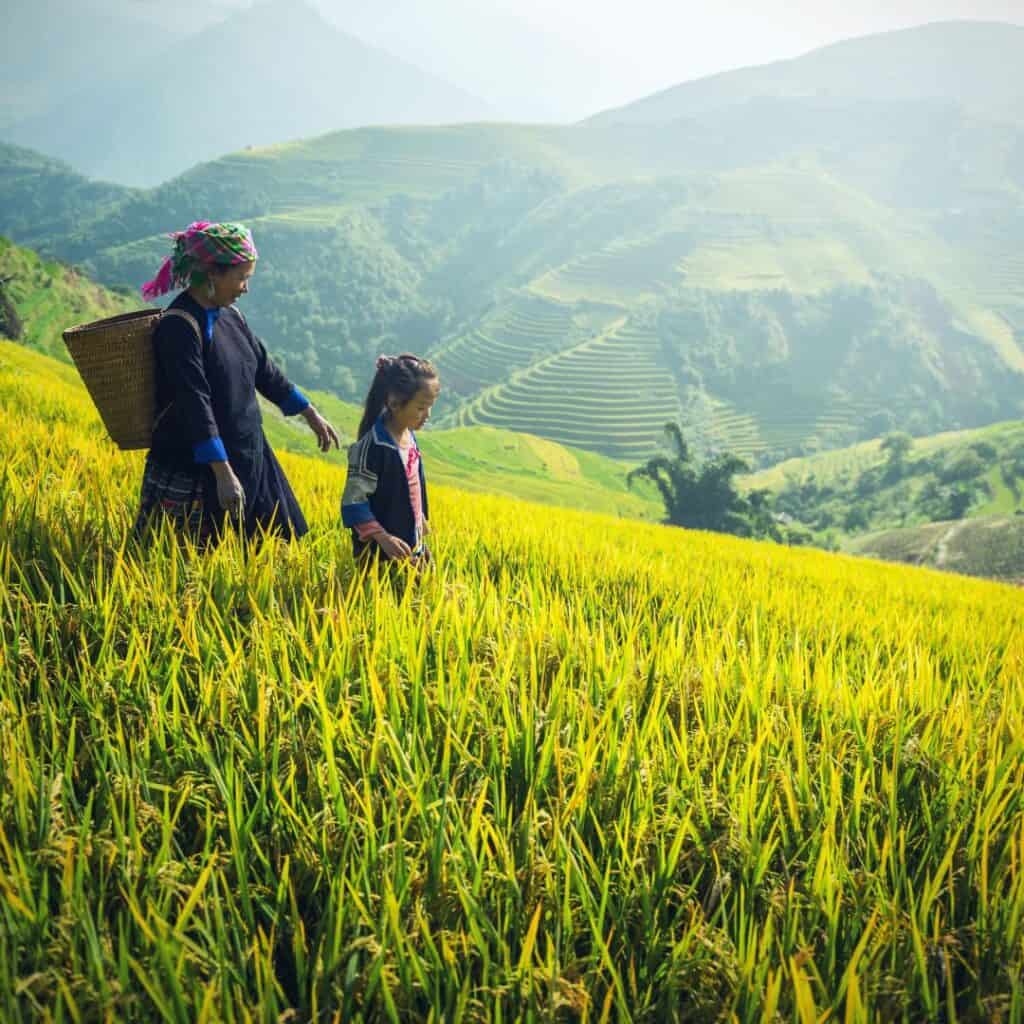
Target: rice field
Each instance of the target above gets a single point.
(581, 771)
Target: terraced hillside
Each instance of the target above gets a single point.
(778, 327)
(764, 425)
(520, 331)
(998, 273)
(628, 270)
(613, 394)
(717, 425)
(813, 268)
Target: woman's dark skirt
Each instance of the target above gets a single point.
(188, 499)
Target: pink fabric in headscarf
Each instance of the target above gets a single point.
(201, 245)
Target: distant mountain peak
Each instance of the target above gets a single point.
(309, 79)
(974, 64)
(279, 14)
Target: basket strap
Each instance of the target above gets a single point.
(185, 315)
(199, 334)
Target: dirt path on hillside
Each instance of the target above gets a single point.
(942, 548)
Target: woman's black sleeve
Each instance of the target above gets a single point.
(179, 358)
(270, 381)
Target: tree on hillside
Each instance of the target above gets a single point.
(10, 322)
(966, 466)
(701, 497)
(959, 502)
(896, 446)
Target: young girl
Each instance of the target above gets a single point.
(385, 497)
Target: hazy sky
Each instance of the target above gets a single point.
(580, 56)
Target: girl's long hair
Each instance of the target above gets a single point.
(401, 376)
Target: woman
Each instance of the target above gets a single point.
(209, 458)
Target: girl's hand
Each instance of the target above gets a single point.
(326, 435)
(393, 547)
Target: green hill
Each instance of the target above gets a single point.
(842, 496)
(795, 269)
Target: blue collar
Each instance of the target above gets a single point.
(382, 435)
(211, 319)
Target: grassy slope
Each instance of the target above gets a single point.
(990, 546)
(988, 542)
(49, 298)
(829, 466)
(647, 774)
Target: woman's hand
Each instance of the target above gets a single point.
(326, 435)
(230, 492)
(392, 546)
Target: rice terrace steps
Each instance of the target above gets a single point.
(623, 271)
(516, 334)
(749, 426)
(599, 377)
(612, 393)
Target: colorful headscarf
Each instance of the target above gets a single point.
(200, 246)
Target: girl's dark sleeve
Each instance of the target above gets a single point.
(270, 381)
(364, 471)
(179, 354)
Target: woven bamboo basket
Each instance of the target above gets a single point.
(115, 359)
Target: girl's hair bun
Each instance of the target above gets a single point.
(401, 376)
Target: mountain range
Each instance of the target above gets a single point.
(52, 49)
(148, 102)
(780, 267)
(973, 65)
